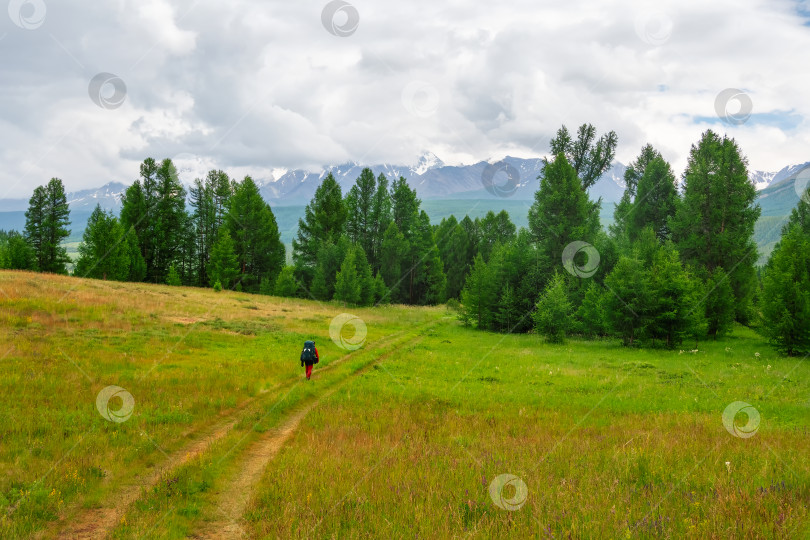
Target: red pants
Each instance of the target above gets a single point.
(309, 371)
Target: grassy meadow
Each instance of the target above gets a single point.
(400, 438)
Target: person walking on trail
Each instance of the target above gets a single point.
(309, 357)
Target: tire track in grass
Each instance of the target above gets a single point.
(231, 501)
(97, 523)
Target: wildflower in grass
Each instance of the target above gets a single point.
(756, 354)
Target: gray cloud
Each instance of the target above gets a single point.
(250, 86)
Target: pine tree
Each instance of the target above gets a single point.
(561, 212)
(785, 300)
(632, 176)
(330, 257)
(508, 314)
(251, 223)
(479, 295)
(224, 266)
(348, 288)
(104, 251)
(47, 219)
(552, 318)
(656, 201)
(364, 277)
(15, 252)
(671, 298)
(170, 211)
(324, 222)
(626, 301)
(285, 283)
(427, 279)
(590, 315)
(714, 224)
(380, 220)
(173, 277)
(394, 249)
(494, 229)
(210, 200)
(360, 210)
(155, 207)
(719, 303)
(590, 157)
(381, 293)
(137, 264)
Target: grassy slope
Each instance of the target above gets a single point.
(186, 355)
(610, 442)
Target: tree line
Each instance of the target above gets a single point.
(677, 263)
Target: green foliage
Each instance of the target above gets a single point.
(590, 316)
(494, 229)
(15, 252)
(672, 311)
(508, 313)
(719, 304)
(257, 243)
(714, 225)
(224, 266)
(323, 223)
(589, 156)
(394, 250)
(656, 201)
(785, 303)
(217, 286)
(286, 285)
(155, 207)
(381, 292)
(137, 264)
(209, 200)
(457, 250)
(348, 288)
(46, 227)
(330, 258)
(104, 251)
(479, 295)
(173, 278)
(561, 212)
(626, 300)
(354, 283)
(552, 318)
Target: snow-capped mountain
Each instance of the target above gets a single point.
(427, 161)
(761, 179)
(430, 176)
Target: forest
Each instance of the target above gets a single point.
(677, 265)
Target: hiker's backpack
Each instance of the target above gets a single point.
(308, 354)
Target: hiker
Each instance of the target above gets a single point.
(309, 356)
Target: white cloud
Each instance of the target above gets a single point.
(253, 85)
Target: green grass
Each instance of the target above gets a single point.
(610, 442)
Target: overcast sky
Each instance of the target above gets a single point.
(255, 86)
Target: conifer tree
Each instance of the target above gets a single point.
(46, 227)
(785, 300)
(324, 222)
(224, 266)
(104, 251)
(348, 288)
(552, 318)
(714, 224)
(286, 285)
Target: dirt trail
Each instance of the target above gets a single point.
(232, 501)
(97, 523)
